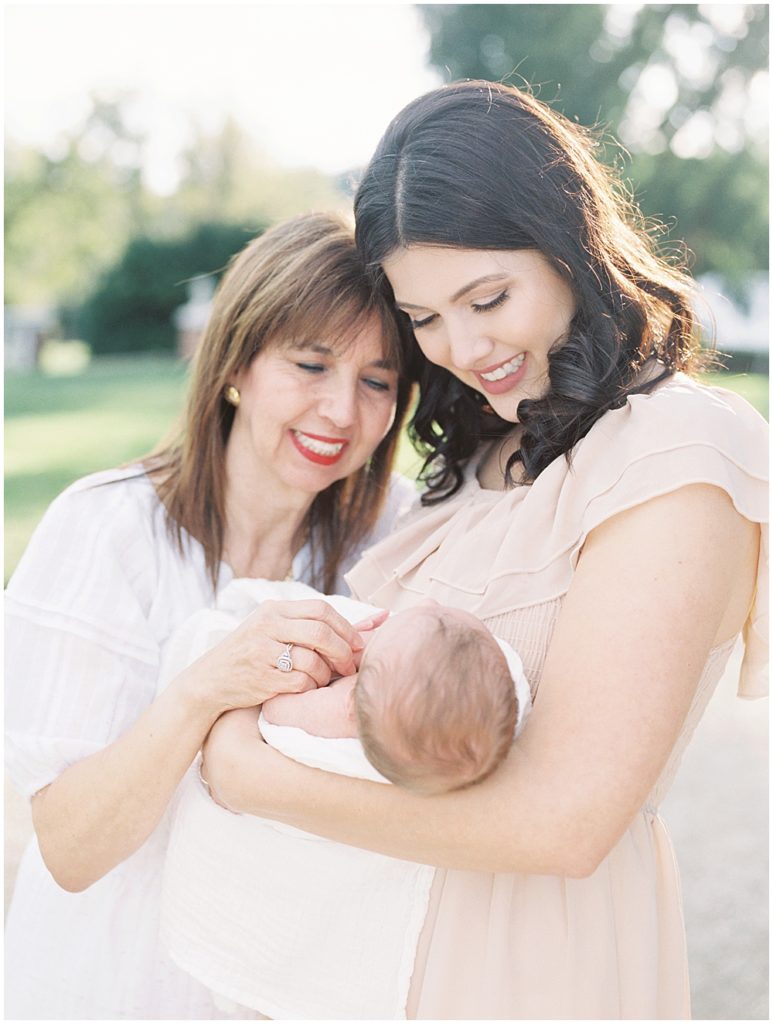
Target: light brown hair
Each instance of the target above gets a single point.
(301, 280)
(441, 724)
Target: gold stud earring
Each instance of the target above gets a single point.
(232, 395)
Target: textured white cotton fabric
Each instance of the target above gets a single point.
(245, 901)
(90, 608)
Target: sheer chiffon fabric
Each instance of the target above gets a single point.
(611, 946)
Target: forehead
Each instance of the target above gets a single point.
(363, 343)
(440, 270)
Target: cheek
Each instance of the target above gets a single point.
(432, 348)
(389, 418)
(377, 424)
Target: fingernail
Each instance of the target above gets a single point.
(359, 643)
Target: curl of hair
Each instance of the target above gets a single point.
(301, 281)
(481, 165)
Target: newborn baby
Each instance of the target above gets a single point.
(296, 926)
(434, 704)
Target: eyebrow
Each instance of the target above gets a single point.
(486, 279)
(325, 350)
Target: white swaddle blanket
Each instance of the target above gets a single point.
(276, 919)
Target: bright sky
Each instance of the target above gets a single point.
(312, 84)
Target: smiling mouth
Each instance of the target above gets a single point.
(505, 370)
(323, 450)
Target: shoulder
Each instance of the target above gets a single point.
(401, 497)
(108, 490)
(498, 551)
(682, 433)
(117, 505)
(105, 520)
(683, 413)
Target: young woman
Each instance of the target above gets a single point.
(282, 469)
(598, 509)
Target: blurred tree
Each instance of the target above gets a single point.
(70, 214)
(673, 81)
(224, 176)
(131, 309)
(63, 224)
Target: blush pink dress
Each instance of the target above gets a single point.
(611, 946)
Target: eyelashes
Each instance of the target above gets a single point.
(482, 307)
(479, 307)
(416, 324)
(373, 383)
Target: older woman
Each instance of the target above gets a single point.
(599, 509)
(282, 469)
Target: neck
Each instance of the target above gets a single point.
(491, 468)
(264, 528)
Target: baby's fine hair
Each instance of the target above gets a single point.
(443, 723)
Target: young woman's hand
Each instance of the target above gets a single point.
(244, 669)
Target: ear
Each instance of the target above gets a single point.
(238, 378)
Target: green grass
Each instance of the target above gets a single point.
(754, 387)
(77, 419)
(59, 428)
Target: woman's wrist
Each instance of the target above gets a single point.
(192, 695)
(238, 764)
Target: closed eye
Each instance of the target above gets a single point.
(377, 385)
(483, 307)
(311, 367)
(416, 324)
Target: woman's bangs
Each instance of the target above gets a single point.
(338, 326)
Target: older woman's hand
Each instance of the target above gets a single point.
(245, 668)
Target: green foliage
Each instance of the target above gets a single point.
(587, 59)
(70, 213)
(224, 178)
(65, 220)
(652, 73)
(131, 309)
(533, 42)
(718, 206)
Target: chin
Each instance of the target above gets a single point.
(508, 412)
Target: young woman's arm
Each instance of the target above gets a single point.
(101, 809)
(655, 588)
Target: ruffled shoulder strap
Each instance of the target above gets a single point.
(682, 434)
(493, 552)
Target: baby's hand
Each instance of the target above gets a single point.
(366, 629)
(373, 622)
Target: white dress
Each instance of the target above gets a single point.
(89, 609)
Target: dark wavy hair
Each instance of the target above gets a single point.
(481, 165)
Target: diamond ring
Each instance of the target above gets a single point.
(285, 660)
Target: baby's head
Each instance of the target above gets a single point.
(435, 702)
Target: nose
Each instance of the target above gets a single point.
(468, 347)
(338, 404)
